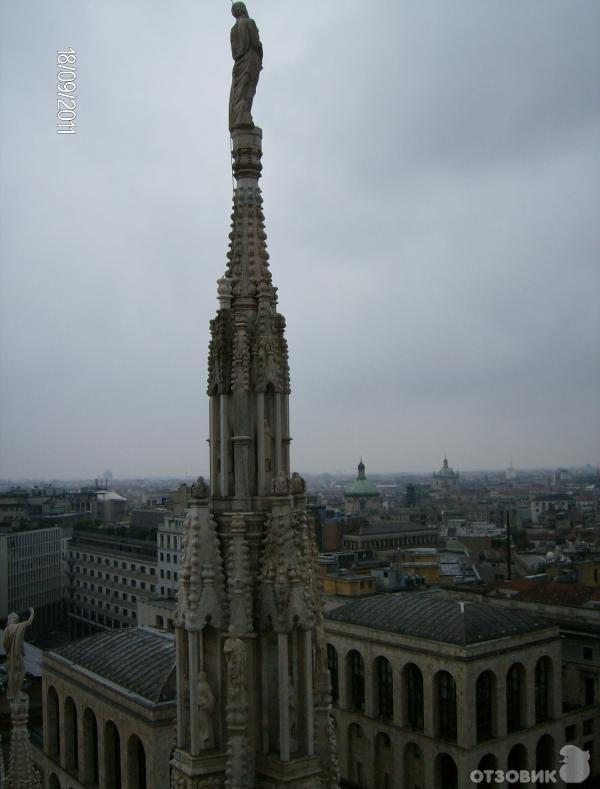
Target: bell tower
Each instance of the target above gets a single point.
(253, 695)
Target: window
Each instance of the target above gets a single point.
(514, 682)
(588, 726)
(589, 694)
(483, 702)
(356, 675)
(332, 665)
(447, 706)
(588, 653)
(414, 695)
(571, 732)
(542, 687)
(385, 688)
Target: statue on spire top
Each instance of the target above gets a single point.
(247, 53)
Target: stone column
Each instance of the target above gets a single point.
(528, 690)
(278, 435)
(499, 707)
(182, 687)
(80, 746)
(266, 679)
(556, 689)
(224, 436)
(260, 442)
(466, 710)
(369, 689)
(429, 700)
(194, 668)
(101, 753)
(284, 709)
(213, 405)
(307, 699)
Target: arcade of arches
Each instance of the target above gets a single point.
(408, 717)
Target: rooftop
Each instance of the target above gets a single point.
(139, 660)
(426, 616)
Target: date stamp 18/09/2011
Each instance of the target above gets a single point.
(66, 102)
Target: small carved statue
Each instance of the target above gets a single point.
(14, 636)
(235, 654)
(200, 489)
(247, 53)
(206, 706)
(281, 484)
(298, 484)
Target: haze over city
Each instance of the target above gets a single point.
(431, 181)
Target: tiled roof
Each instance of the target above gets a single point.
(139, 660)
(552, 593)
(424, 615)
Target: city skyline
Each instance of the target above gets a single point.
(430, 213)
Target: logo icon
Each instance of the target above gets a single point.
(576, 765)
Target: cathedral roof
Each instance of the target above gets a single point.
(426, 616)
(140, 660)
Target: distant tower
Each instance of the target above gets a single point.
(362, 496)
(252, 679)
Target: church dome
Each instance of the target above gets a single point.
(361, 486)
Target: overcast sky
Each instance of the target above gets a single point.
(432, 196)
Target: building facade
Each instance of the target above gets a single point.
(106, 577)
(427, 690)
(31, 574)
(109, 712)
(169, 538)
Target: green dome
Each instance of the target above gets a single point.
(362, 487)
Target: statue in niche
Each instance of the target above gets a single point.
(14, 636)
(247, 53)
(206, 706)
(235, 655)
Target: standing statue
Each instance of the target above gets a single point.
(235, 654)
(14, 636)
(206, 705)
(247, 53)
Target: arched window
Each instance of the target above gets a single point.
(488, 762)
(356, 678)
(515, 687)
(517, 760)
(446, 698)
(332, 665)
(52, 715)
(543, 669)
(484, 703)
(90, 748)
(384, 761)
(413, 695)
(112, 756)
(385, 688)
(54, 782)
(446, 772)
(136, 763)
(414, 769)
(357, 754)
(72, 746)
(545, 753)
